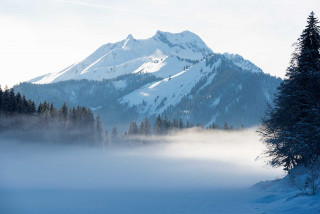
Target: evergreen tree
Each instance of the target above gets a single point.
(19, 104)
(106, 137)
(1, 92)
(181, 125)
(133, 129)
(242, 126)
(166, 125)
(53, 113)
(32, 107)
(291, 128)
(188, 124)
(175, 124)
(99, 129)
(5, 100)
(88, 127)
(24, 105)
(214, 126)
(145, 127)
(43, 111)
(225, 126)
(114, 134)
(63, 113)
(141, 128)
(12, 102)
(158, 127)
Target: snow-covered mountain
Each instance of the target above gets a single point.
(172, 74)
(164, 54)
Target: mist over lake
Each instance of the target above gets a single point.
(188, 160)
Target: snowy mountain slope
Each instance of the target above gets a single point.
(227, 94)
(133, 56)
(158, 96)
(172, 74)
(215, 89)
(241, 62)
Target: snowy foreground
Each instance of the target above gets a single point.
(185, 173)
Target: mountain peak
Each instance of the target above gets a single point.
(163, 54)
(130, 36)
(185, 32)
(186, 35)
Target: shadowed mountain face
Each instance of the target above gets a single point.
(172, 74)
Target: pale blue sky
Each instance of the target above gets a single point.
(42, 36)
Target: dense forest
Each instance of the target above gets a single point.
(22, 118)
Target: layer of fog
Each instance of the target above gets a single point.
(189, 160)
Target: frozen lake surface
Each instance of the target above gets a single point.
(191, 172)
(108, 201)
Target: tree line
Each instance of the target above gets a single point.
(163, 126)
(20, 117)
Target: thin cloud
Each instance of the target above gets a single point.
(120, 9)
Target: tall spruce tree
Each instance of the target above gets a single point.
(292, 126)
(99, 130)
(133, 129)
(12, 102)
(180, 124)
(145, 127)
(225, 126)
(63, 113)
(114, 135)
(19, 104)
(5, 100)
(106, 137)
(158, 127)
(175, 123)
